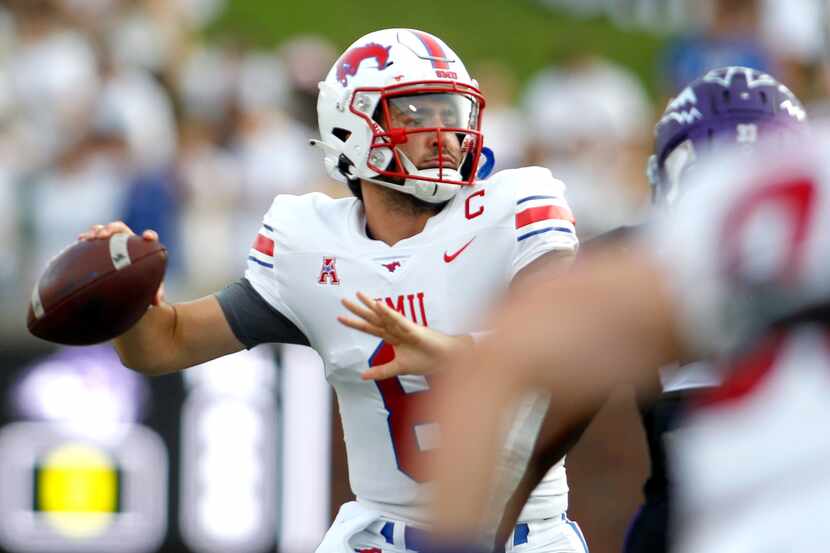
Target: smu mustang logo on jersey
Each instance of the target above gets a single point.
(391, 267)
(351, 60)
(328, 273)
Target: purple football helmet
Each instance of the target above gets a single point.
(734, 105)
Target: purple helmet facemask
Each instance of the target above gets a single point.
(730, 105)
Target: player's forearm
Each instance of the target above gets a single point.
(533, 475)
(473, 409)
(578, 336)
(561, 429)
(598, 323)
(173, 337)
(149, 346)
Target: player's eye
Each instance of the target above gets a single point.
(416, 121)
(449, 118)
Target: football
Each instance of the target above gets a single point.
(95, 290)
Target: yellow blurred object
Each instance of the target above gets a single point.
(77, 489)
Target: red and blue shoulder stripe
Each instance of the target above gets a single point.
(263, 248)
(541, 214)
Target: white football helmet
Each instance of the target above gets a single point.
(396, 90)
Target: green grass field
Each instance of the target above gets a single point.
(517, 32)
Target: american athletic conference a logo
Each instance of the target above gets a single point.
(328, 272)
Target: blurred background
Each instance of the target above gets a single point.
(188, 116)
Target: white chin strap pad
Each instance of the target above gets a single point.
(434, 192)
(427, 191)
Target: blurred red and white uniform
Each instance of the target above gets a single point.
(748, 259)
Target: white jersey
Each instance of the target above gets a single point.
(312, 251)
(747, 250)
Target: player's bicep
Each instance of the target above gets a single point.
(201, 332)
(255, 321)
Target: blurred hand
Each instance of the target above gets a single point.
(418, 349)
(103, 232)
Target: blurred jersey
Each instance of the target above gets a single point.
(747, 262)
(312, 251)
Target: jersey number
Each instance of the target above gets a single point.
(407, 415)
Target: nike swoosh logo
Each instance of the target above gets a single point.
(448, 258)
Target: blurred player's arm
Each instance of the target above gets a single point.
(578, 336)
(566, 417)
(561, 429)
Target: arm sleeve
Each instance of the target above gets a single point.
(253, 320)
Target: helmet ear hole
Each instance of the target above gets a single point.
(342, 134)
(377, 115)
(345, 165)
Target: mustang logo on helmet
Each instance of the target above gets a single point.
(349, 63)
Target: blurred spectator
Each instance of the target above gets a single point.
(210, 174)
(153, 202)
(211, 180)
(11, 152)
(588, 124)
(307, 59)
(794, 32)
(133, 96)
(89, 12)
(794, 29)
(503, 123)
(7, 32)
(206, 82)
(277, 99)
(263, 86)
(275, 158)
(54, 74)
(86, 185)
(198, 13)
(143, 37)
(134, 102)
(730, 38)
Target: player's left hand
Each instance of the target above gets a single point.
(418, 349)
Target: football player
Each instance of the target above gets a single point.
(737, 272)
(425, 233)
(727, 106)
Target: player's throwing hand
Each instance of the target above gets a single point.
(103, 232)
(418, 349)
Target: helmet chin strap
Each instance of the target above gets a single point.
(429, 191)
